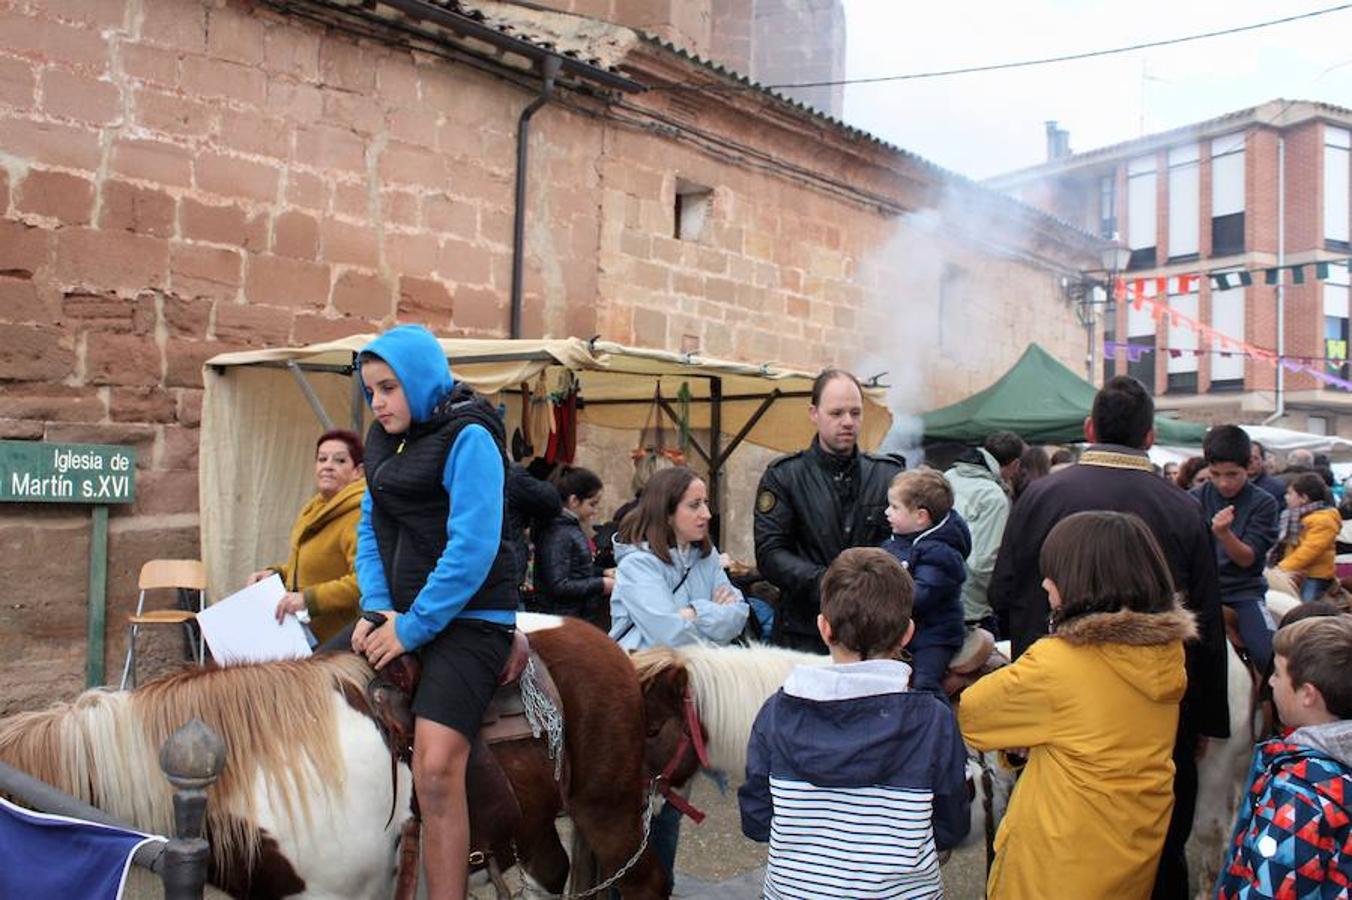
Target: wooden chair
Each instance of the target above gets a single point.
(166, 574)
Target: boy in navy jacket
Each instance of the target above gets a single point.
(856, 782)
(931, 540)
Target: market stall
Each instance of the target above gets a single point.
(263, 409)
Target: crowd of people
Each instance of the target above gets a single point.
(1107, 580)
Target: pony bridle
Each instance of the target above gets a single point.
(691, 736)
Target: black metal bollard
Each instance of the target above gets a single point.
(192, 759)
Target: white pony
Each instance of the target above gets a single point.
(1224, 764)
(308, 804)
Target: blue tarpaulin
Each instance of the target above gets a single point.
(43, 855)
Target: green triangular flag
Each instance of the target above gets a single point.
(1297, 274)
(1271, 276)
(1222, 281)
(1246, 279)
(1321, 270)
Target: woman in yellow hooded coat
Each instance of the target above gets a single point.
(1094, 705)
(319, 573)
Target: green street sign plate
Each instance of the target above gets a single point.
(40, 472)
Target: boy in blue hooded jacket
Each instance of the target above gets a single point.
(434, 556)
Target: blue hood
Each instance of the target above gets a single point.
(420, 365)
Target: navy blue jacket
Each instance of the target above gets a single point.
(1255, 524)
(856, 782)
(1274, 486)
(936, 560)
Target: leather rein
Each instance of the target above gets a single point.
(692, 735)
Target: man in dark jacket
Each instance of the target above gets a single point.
(1259, 477)
(815, 503)
(530, 502)
(1116, 474)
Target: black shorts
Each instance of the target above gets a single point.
(460, 671)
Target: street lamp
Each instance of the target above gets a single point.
(1114, 256)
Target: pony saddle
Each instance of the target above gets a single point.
(526, 706)
(977, 657)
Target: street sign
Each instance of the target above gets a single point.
(93, 475)
(41, 472)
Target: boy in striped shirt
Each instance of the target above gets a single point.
(856, 782)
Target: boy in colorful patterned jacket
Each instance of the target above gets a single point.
(1293, 834)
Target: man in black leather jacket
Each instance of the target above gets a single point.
(813, 504)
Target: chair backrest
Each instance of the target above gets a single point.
(173, 573)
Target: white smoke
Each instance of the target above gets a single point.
(934, 290)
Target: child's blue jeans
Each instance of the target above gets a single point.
(1314, 588)
(1255, 627)
(928, 666)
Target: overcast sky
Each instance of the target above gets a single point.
(984, 124)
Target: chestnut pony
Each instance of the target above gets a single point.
(303, 807)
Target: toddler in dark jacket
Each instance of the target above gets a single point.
(931, 540)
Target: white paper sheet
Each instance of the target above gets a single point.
(243, 627)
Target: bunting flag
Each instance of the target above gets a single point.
(1138, 290)
(1307, 365)
(1133, 351)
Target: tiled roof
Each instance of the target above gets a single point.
(860, 135)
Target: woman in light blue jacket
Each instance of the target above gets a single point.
(670, 588)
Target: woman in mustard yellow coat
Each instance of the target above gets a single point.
(1094, 705)
(319, 573)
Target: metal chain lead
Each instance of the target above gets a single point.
(544, 717)
(633, 860)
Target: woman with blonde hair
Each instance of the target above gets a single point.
(320, 571)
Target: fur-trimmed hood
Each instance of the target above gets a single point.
(1129, 627)
(1144, 649)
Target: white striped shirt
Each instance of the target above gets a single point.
(851, 842)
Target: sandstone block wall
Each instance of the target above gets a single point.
(179, 178)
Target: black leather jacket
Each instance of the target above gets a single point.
(810, 506)
(565, 582)
(530, 503)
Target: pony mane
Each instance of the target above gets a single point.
(277, 720)
(730, 685)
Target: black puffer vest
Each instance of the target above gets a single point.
(410, 506)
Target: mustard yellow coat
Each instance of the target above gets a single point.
(1313, 554)
(1096, 704)
(323, 559)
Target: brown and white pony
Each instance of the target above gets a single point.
(303, 806)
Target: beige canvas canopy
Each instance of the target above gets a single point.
(263, 409)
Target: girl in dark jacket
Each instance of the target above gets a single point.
(566, 581)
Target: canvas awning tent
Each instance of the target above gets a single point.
(259, 419)
(1040, 400)
(1278, 440)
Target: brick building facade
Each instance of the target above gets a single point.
(1205, 198)
(183, 177)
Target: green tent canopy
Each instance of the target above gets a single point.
(1040, 400)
